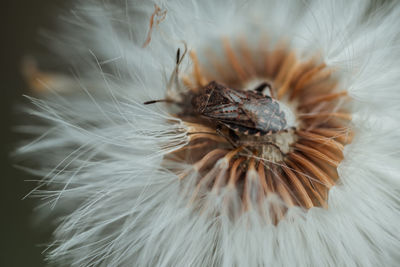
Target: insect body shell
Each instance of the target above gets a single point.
(248, 112)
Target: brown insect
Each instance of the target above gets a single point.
(246, 112)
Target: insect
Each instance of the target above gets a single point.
(250, 113)
(247, 112)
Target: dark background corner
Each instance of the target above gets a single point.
(22, 244)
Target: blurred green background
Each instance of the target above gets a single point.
(22, 244)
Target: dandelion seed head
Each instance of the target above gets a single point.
(157, 185)
(297, 163)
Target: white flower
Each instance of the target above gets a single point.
(154, 185)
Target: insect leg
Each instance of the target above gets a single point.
(274, 145)
(255, 143)
(233, 135)
(262, 86)
(219, 132)
(293, 128)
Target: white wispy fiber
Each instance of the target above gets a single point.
(101, 150)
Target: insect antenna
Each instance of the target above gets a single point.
(180, 58)
(159, 100)
(172, 80)
(178, 55)
(174, 91)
